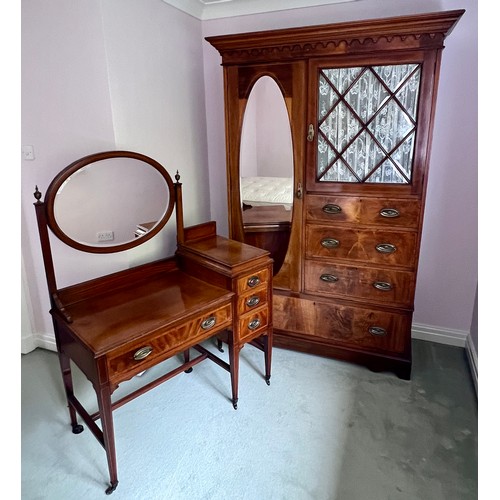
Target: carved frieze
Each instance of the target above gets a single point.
(426, 31)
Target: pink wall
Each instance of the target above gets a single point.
(138, 75)
(448, 264)
(107, 75)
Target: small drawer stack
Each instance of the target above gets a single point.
(253, 304)
(246, 271)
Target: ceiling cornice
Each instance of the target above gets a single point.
(217, 9)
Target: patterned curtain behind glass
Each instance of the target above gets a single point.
(366, 122)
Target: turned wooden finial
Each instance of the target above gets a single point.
(177, 176)
(37, 194)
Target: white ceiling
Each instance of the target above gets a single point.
(216, 9)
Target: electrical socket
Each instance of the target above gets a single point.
(28, 152)
(105, 236)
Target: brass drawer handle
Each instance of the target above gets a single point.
(330, 243)
(254, 324)
(382, 285)
(208, 323)
(143, 353)
(253, 281)
(386, 248)
(377, 331)
(329, 278)
(389, 213)
(253, 301)
(330, 208)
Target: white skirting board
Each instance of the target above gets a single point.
(470, 348)
(421, 332)
(448, 336)
(439, 335)
(31, 342)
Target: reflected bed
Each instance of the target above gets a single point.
(261, 191)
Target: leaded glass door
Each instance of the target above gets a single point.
(364, 128)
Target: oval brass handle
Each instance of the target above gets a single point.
(253, 301)
(386, 248)
(208, 323)
(143, 353)
(377, 330)
(330, 243)
(254, 324)
(332, 209)
(253, 281)
(389, 212)
(382, 285)
(329, 278)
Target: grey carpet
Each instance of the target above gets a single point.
(323, 430)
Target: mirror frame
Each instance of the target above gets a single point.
(63, 176)
(290, 77)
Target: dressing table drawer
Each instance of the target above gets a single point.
(251, 281)
(252, 324)
(145, 353)
(250, 301)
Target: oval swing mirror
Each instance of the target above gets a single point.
(266, 170)
(109, 202)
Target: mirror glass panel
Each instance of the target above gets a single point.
(266, 170)
(111, 202)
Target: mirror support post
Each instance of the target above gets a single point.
(178, 209)
(41, 219)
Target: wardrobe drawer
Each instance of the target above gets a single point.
(383, 286)
(252, 324)
(145, 353)
(363, 210)
(346, 326)
(252, 281)
(364, 245)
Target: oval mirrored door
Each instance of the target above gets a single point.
(266, 170)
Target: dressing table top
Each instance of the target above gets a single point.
(221, 250)
(106, 320)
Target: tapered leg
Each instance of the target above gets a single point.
(219, 345)
(64, 362)
(106, 415)
(268, 350)
(234, 362)
(186, 359)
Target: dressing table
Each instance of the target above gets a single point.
(117, 326)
